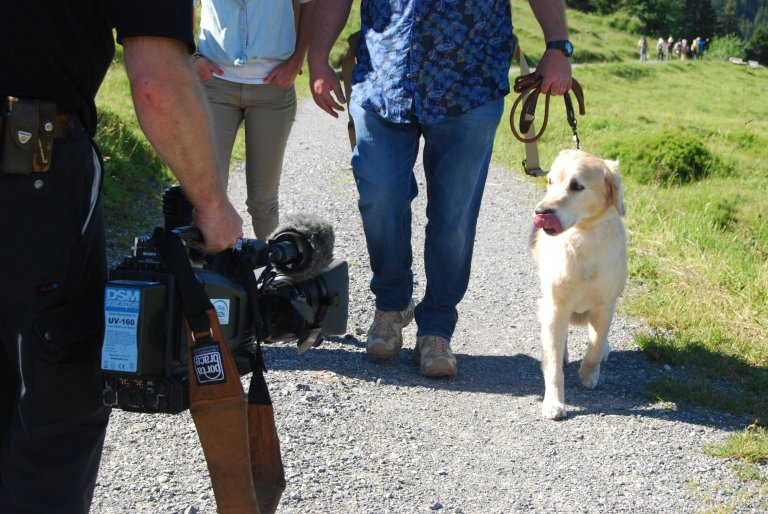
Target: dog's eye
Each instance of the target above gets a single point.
(575, 186)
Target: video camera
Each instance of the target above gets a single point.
(300, 295)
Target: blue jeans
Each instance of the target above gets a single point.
(457, 152)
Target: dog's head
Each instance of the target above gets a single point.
(580, 188)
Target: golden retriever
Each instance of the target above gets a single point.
(579, 246)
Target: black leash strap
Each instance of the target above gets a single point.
(196, 301)
(571, 116)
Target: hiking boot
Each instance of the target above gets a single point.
(433, 353)
(385, 337)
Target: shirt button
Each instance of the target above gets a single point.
(38, 184)
(418, 18)
(407, 75)
(414, 47)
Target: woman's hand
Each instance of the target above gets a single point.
(205, 68)
(284, 74)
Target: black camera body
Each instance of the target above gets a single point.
(144, 359)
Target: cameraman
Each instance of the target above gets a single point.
(52, 256)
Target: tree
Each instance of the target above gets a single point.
(701, 18)
(757, 46)
(728, 22)
(659, 17)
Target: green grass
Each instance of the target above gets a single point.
(748, 450)
(750, 447)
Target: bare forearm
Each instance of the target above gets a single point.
(172, 113)
(551, 17)
(329, 18)
(305, 30)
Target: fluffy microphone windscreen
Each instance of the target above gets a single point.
(319, 234)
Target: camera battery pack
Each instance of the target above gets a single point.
(134, 311)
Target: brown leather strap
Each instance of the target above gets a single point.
(528, 88)
(219, 410)
(531, 164)
(347, 65)
(266, 460)
(61, 126)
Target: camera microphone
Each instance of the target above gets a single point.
(301, 246)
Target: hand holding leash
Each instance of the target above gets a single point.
(528, 88)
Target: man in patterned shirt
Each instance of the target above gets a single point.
(436, 69)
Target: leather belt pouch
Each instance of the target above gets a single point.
(27, 135)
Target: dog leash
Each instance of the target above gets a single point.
(528, 88)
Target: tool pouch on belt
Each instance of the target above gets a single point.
(27, 135)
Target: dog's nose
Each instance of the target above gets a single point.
(544, 210)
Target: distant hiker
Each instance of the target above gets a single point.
(643, 45)
(702, 45)
(660, 49)
(670, 47)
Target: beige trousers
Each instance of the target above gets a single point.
(268, 112)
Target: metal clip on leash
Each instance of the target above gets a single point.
(571, 116)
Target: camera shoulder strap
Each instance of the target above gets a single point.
(217, 400)
(266, 460)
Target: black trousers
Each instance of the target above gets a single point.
(52, 275)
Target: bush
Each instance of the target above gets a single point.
(725, 47)
(666, 158)
(623, 22)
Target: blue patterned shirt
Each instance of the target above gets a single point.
(426, 60)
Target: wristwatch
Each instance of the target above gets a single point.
(563, 45)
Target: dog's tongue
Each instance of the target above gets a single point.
(547, 222)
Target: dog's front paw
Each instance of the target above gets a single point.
(589, 378)
(553, 410)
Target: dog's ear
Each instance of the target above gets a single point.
(615, 189)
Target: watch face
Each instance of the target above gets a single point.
(568, 48)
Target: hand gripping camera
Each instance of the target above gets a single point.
(289, 290)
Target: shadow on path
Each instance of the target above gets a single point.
(620, 391)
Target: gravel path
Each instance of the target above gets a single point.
(360, 436)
